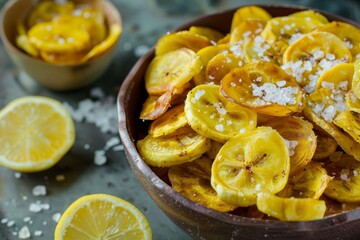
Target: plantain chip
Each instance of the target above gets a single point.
(247, 165)
(264, 87)
(300, 139)
(184, 145)
(249, 12)
(181, 39)
(192, 180)
(213, 116)
(345, 183)
(171, 70)
(311, 182)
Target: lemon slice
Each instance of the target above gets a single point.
(102, 216)
(291, 209)
(36, 132)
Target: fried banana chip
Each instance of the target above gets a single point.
(171, 70)
(349, 34)
(247, 30)
(310, 56)
(220, 65)
(300, 138)
(52, 37)
(184, 145)
(338, 78)
(325, 145)
(311, 182)
(352, 102)
(155, 106)
(264, 87)
(345, 183)
(291, 209)
(214, 149)
(281, 32)
(249, 12)
(215, 117)
(48, 10)
(192, 180)
(206, 54)
(168, 122)
(212, 34)
(247, 165)
(355, 84)
(350, 122)
(306, 14)
(181, 39)
(346, 142)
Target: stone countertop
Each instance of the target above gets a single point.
(77, 174)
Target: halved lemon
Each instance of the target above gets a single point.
(35, 133)
(102, 216)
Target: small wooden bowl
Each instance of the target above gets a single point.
(196, 220)
(53, 76)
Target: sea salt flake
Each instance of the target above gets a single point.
(4, 220)
(10, 223)
(38, 233)
(111, 142)
(56, 217)
(17, 175)
(119, 147)
(100, 158)
(39, 190)
(219, 127)
(24, 233)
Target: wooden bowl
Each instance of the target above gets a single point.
(53, 76)
(196, 220)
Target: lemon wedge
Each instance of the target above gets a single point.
(102, 216)
(35, 133)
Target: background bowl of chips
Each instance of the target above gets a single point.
(55, 76)
(196, 220)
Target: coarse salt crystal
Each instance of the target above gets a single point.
(112, 142)
(17, 175)
(219, 127)
(119, 147)
(39, 190)
(56, 217)
(100, 158)
(198, 95)
(38, 233)
(10, 223)
(220, 108)
(24, 233)
(4, 220)
(27, 219)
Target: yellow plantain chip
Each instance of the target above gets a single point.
(62, 57)
(45, 11)
(103, 46)
(171, 70)
(345, 183)
(281, 32)
(206, 54)
(169, 122)
(300, 139)
(220, 65)
(264, 87)
(213, 116)
(192, 180)
(311, 55)
(224, 40)
(214, 149)
(355, 85)
(249, 12)
(247, 30)
(310, 14)
(291, 209)
(258, 49)
(309, 183)
(212, 34)
(325, 144)
(346, 142)
(184, 145)
(181, 39)
(337, 78)
(350, 122)
(349, 34)
(352, 102)
(51, 37)
(247, 164)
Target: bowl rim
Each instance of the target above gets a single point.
(106, 4)
(130, 147)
